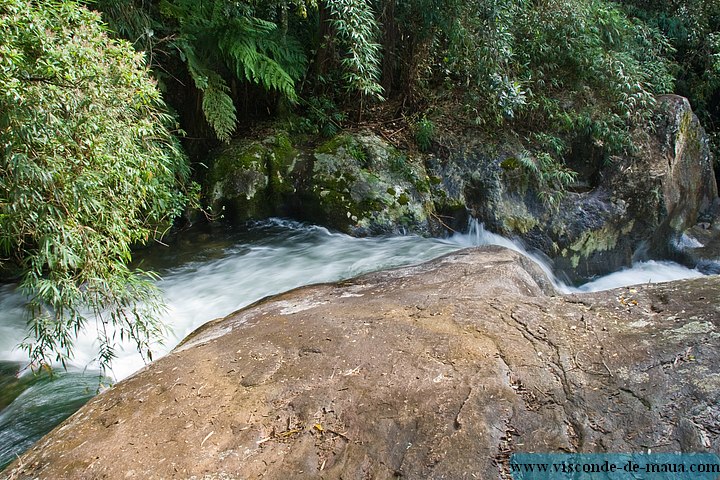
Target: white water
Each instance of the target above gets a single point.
(203, 281)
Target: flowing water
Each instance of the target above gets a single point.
(209, 275)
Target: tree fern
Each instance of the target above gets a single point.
(218, 107)
(219, 37)
(259, 54)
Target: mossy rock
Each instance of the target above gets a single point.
(251, 179)
(11, 384)
(280, 163)
(362, 185)
(591, 242)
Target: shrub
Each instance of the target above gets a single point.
(88, 167)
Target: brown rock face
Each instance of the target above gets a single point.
(437, 371)
(684, 165)
(689, 185)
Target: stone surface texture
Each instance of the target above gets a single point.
(438, 371)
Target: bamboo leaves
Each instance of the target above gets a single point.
(356, 30)
(88, 167)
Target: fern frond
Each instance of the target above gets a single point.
(216, 36)
(197, 69)
(261, 56)
(218, 107)
(181, 11)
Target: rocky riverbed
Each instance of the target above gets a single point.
(621, 208)
(442, 370)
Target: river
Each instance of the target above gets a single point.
(209, 274)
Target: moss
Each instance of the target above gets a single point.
(422, 184)
(443, 202)
(237, 157)
(411, 170)
(354, 181)
(514, 214)
(333, 178)
(687, 128)
(593, 241)
(281, 156)
(336, 143)
(239, 180)
(689, 137)
(250, 180)
(368, 185)
(520, 223)
(510, 163)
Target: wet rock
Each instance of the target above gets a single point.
(688, 183)
(249, 179)
(362, 185)
(435, 371)
(699, 245)
(622, 208)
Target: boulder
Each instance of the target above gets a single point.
(701, 246)
(685, 165)
(362, 185)
(622, 208)
(441, 370)
(249, 179)
(356, 183)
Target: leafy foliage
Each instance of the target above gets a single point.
(355, 30)
(424, 131)
(561, 68)
(693, 28)
(219, 42)
(88, 167)
(558, 68)
(550, 177)
(217, 104)
(219, 36)
(322, 116)
(559, 65)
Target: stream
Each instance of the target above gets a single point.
(210, 274)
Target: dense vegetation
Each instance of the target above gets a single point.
(693, 28)
(554, 72)
(558, 67)
(89, 166)
(88, 169)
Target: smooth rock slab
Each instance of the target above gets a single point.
(437, 371)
